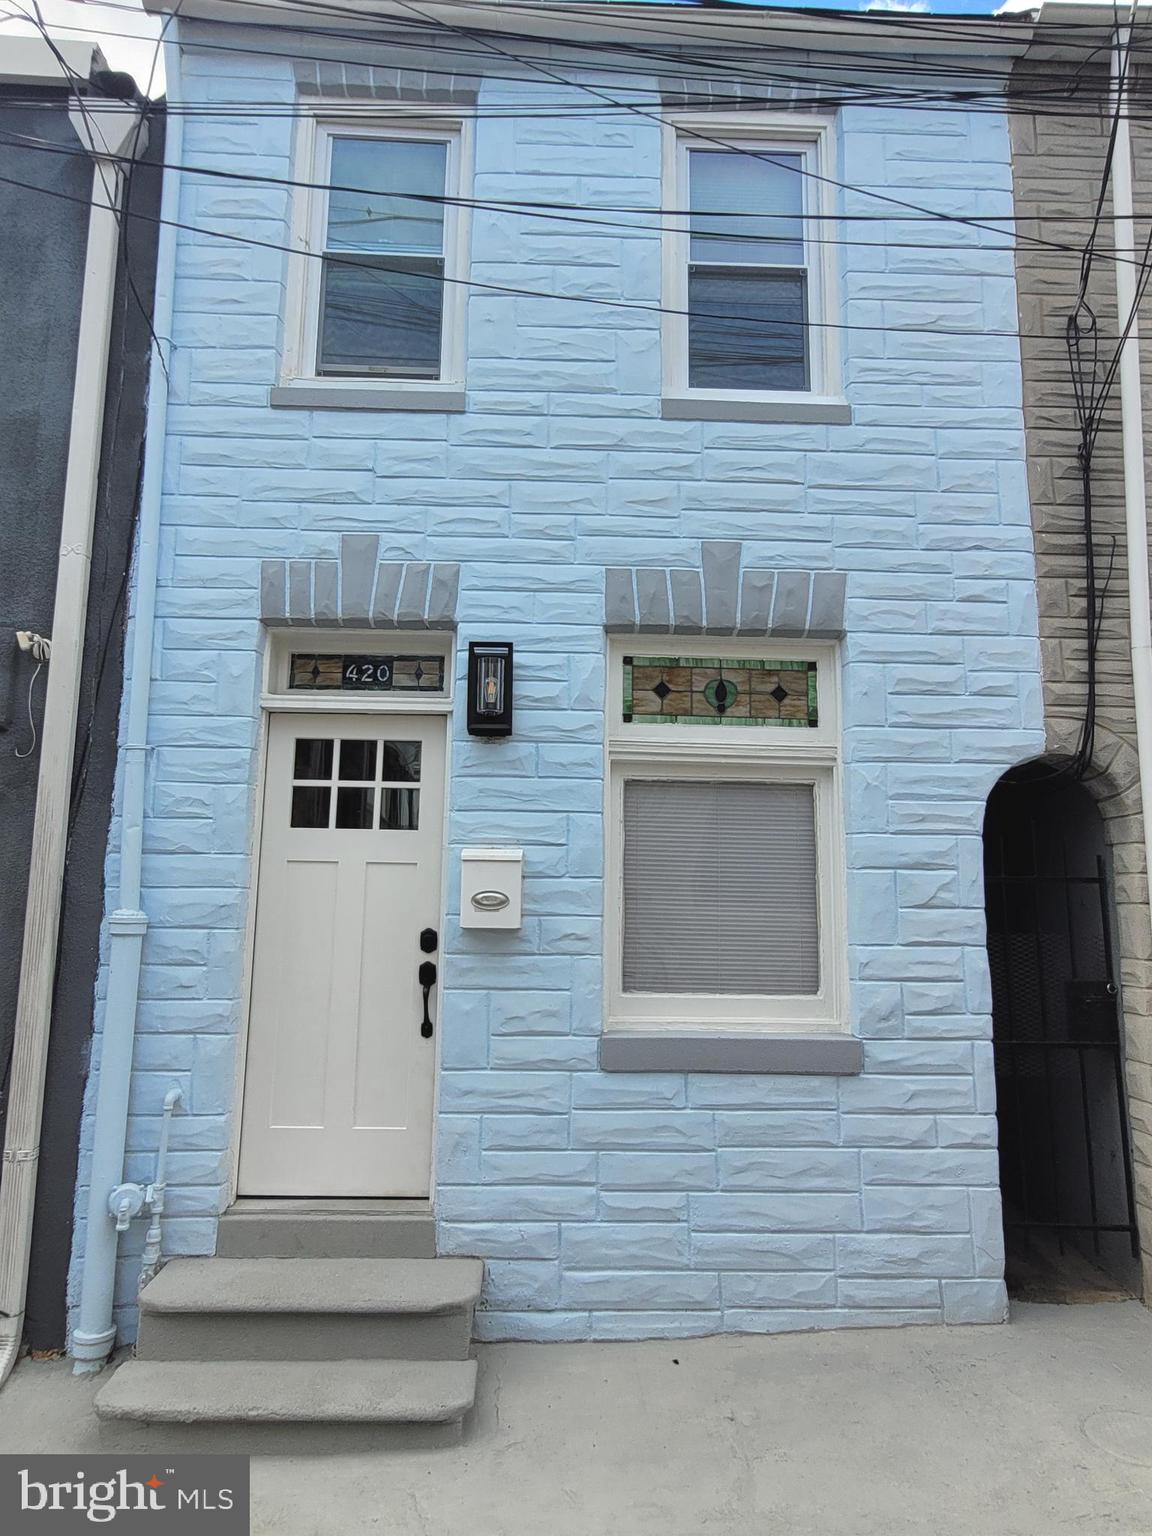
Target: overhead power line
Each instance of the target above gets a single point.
(377, 266)
(809, 80)
(586, 216)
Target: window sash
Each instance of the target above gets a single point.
(409, 210)
(720, 232)
(307, 356)
(748, 352)
(416, 364)
(399, 285)
(820, 345)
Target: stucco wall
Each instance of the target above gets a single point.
(617, 1205)
(42, 243)
(1058, 164)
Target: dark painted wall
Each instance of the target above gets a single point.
(42, 243)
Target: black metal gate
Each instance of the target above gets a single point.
(1064, 1151)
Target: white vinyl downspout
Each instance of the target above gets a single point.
(95, 1330)
(107, 130)
(1132, 433)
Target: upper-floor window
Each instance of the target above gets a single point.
(378, 296)
(747, 276)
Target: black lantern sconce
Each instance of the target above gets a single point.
(489, 689)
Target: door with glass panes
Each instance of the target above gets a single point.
(340, 1065)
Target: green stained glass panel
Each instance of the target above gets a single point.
(726, 691)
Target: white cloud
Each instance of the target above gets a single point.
(896, 5)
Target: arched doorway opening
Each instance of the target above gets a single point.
(1065, 1165)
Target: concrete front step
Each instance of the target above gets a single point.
(310, 1309)
(285, 1407)
(336, 1229)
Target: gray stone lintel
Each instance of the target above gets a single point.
(620, 601)
(826, 613)
(654, 1051)
(359, 553)
(419, 77)
(790, 604)
(701, 92)
(721, 598)
(388, 579)
(273, 593)
(687, 602)
(652, 603)
(359, 590)
(326, 592)
(756, 591)
(720, 559)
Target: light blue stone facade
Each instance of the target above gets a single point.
(620, 1205)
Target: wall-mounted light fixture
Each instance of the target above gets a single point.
(489, 689)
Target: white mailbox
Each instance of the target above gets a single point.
(491, 886)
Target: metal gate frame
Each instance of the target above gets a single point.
(1009, 1049)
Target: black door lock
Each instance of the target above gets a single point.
(427, 978)
(429, 940)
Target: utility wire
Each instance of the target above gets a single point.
(114, 196)
(930, 100)
(525, 293)
(809, 79)
(1090, 396)
(574, 213)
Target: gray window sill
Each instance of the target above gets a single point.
(365, 397)
(657, 1051)
(803, 409)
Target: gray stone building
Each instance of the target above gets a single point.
(1071, 981)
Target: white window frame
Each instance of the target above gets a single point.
(313, 154)
(810, 137)
(784, 755)
(284, 641)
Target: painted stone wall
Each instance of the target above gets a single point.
(1058, 162)
(623, 1205)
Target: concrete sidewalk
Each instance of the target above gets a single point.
(1040, 1427)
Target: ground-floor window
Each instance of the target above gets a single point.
(724, 843)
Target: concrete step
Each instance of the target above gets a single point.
(310, 1309)
(337, 1229)
(276, 1404)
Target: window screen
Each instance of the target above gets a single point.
(383, 267)
(720, 888)
(747, 271)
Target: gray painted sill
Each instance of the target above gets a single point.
(653, 1051)
(800, 410)
(359, 397)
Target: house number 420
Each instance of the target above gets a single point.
(368, 672)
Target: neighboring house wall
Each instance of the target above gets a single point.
(1058, 166)
(743, 1201)
(42, 247)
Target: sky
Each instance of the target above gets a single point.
(127, 36)
(105, 25)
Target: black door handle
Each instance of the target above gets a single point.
(427, 978)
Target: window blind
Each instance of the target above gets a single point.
(720, 888)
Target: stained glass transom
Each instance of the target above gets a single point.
(366, 674)
(734, 691)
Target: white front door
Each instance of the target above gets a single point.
(340, 1073)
